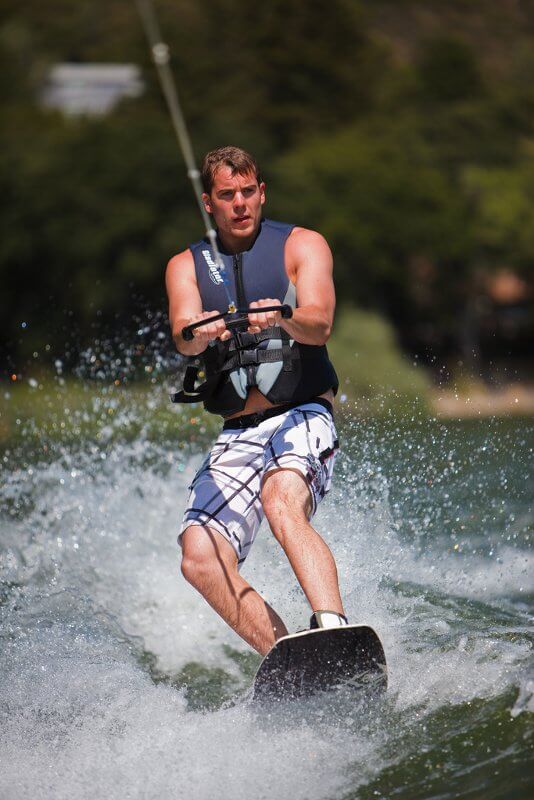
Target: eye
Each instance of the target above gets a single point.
(249, 191)
(226, 195)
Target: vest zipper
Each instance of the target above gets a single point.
(238, 276)
(242, 303)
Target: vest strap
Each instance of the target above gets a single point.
(287, 352)
(244, 352)
(191, 394)
(247, 339)
(247, 358)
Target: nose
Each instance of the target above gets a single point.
(239, 200)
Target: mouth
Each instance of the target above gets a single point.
(242, 219)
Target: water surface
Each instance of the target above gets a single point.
(117, 680)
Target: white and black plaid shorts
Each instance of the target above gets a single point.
(225, 494)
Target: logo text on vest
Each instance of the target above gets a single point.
(215, 275)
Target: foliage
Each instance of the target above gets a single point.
(505, 211)
(402, 133)
(390, 202)
(371, 368)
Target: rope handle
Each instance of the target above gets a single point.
(187, 332)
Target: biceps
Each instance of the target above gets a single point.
(184, 300)
(315, 287)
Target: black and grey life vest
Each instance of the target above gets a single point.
(283, 370)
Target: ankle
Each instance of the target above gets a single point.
(327, 619)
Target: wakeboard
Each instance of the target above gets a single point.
(307, 662)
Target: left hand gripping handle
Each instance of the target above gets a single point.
(187, 332)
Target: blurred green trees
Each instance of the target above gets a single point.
(373, 372)
(403, 134)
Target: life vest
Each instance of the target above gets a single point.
(282, 369)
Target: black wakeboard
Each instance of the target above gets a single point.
(322, 659)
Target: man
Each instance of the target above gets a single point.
(274, 385)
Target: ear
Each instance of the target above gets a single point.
(262, 192)
(207, 202)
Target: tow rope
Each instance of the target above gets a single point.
(161, 56)
(234, 354)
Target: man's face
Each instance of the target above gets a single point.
(235, 202)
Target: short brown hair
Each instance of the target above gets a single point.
(238, 160)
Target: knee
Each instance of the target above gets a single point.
(282, 515)
(202, 558)
(276, 512)
(285, 501)
(192, 568)
(197, 567)
(194, 560)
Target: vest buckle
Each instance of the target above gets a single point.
(247, 358)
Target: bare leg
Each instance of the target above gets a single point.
(287, 503)
(209, 563)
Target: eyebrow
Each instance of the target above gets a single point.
(231, 188)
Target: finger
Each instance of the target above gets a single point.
(203, 334)
(219, 327)
(211, 330)
(272, 316)
(259, 319)
(255, 321)
(200, 331)
(265, 319)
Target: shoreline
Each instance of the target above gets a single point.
(514, 399)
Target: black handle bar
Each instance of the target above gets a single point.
(187, 332)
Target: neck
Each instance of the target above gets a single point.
(234, 244)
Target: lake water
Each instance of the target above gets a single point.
(118, 681)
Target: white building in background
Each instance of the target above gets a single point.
(93, 89)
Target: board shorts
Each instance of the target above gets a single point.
(225, 494)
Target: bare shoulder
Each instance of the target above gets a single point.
(181, 261)
(305, 246)
(180, 268)
(304, 237)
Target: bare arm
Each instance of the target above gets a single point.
(309, 260)
(185, 306)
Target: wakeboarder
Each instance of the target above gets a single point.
(273, 384)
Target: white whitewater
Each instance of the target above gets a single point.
(91, 578)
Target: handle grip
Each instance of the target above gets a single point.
(187, 332)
